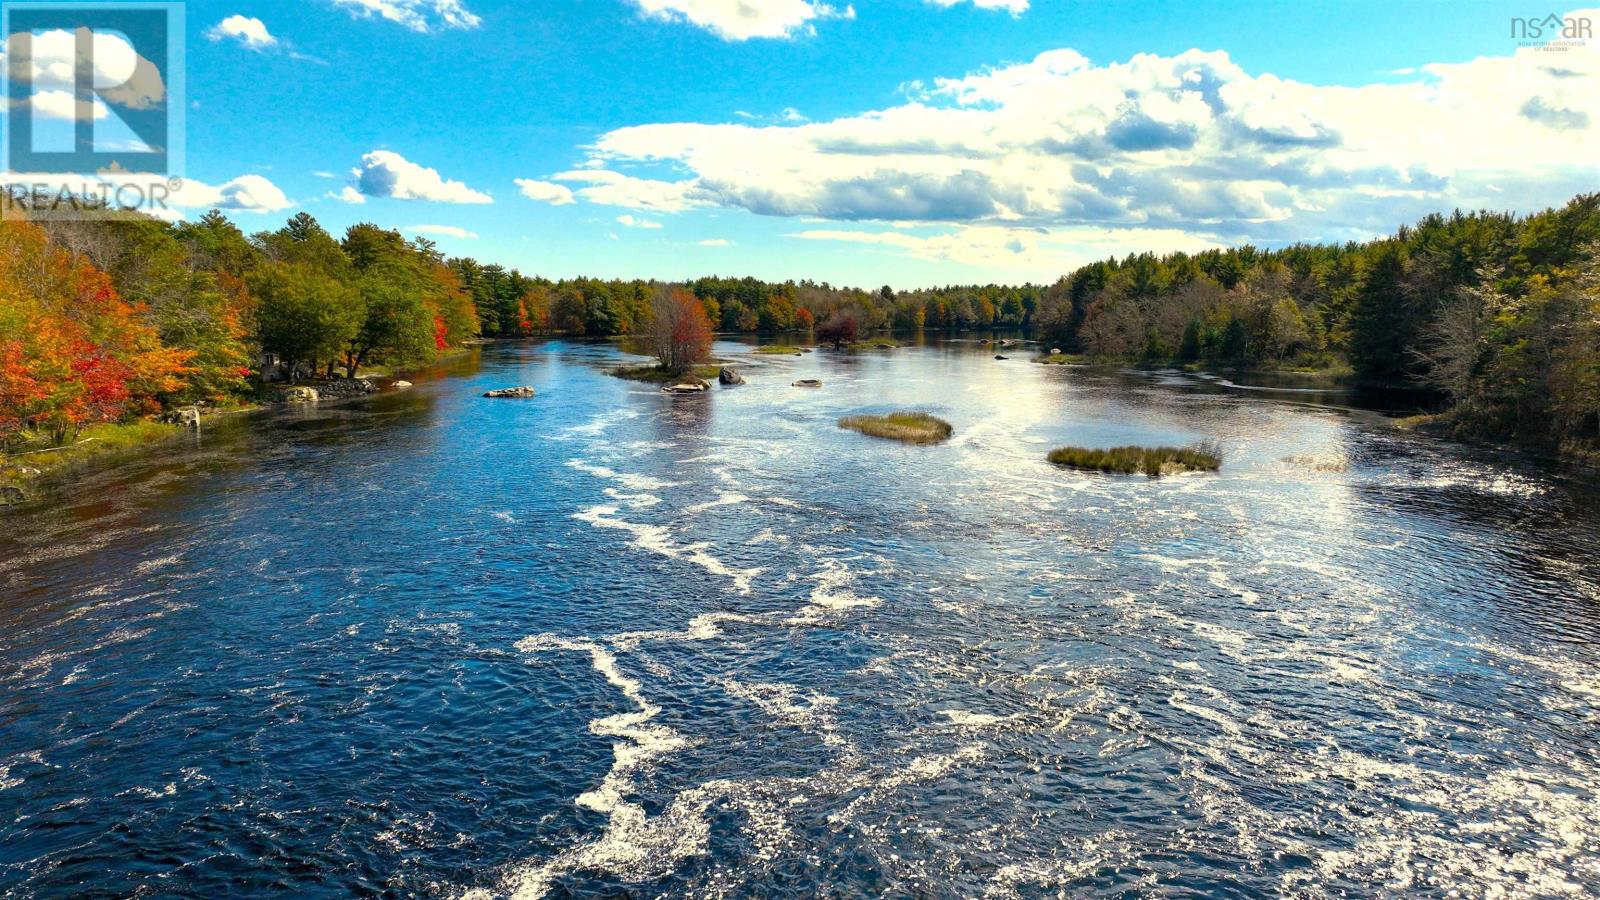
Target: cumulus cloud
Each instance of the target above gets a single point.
(421, 16)
(384, 173)
(59, 104)
(545, 191)
(247, 193)
(442, 230)
(250, 32)
(1015, 7)
(1191, 142)
(121, 76)
(628, 221)
(741, 20)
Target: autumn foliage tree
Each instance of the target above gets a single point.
(73, 352)
(678, 331)
(841, 328)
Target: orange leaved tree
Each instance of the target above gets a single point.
(72, 351)
(679, 332)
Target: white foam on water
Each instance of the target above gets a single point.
(505, 516)
(965, 719)
(831, 593)
(6, 781)
(811, 712)
(634, 501)
(627, 480)
(598, 425)
(658, 539)
(724, 498)
(634, 846)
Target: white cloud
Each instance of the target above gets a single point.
(59, 104)
(247, 193)
(716, 242)
(741, 20)
(1039, 254)
(1015, 7)
(250, 32)
(384, 173)
(545, 191)
(1190, 142)
(421, 16)
(121, 76)
(347, 194)
(442, 230)
(631, 222)
(610, 188)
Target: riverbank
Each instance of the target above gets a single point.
(1448, 426)
(22, 473)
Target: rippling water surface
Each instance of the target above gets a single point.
(611, 641)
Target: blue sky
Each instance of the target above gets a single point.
(908, 142)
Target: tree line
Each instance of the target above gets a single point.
(1497, 311)
(105, 319)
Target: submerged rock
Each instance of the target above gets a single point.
(514, 392)
(808, 382)
(730, 375)
(1001, 357)
(687, 386)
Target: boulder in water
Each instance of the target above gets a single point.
(513, 393)
(730, 375)
(401, 385)
(808, 382)
(1002, 357)
(1055, 351)
(299, 395)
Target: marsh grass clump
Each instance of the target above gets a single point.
(908, 427)
(1152, 461)
(660, 375)
(780, 350)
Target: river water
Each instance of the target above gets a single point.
(608, 641)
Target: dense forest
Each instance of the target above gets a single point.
(1500, 313)
(106, 320)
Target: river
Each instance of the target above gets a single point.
(609, 641)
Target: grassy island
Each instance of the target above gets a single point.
(659, 375)
(908, 427)
(1152, 461)
(780, 350)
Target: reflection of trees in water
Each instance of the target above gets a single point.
(684, 416)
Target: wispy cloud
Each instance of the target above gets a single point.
(442, 231)
(421, 16)
(741, 20)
